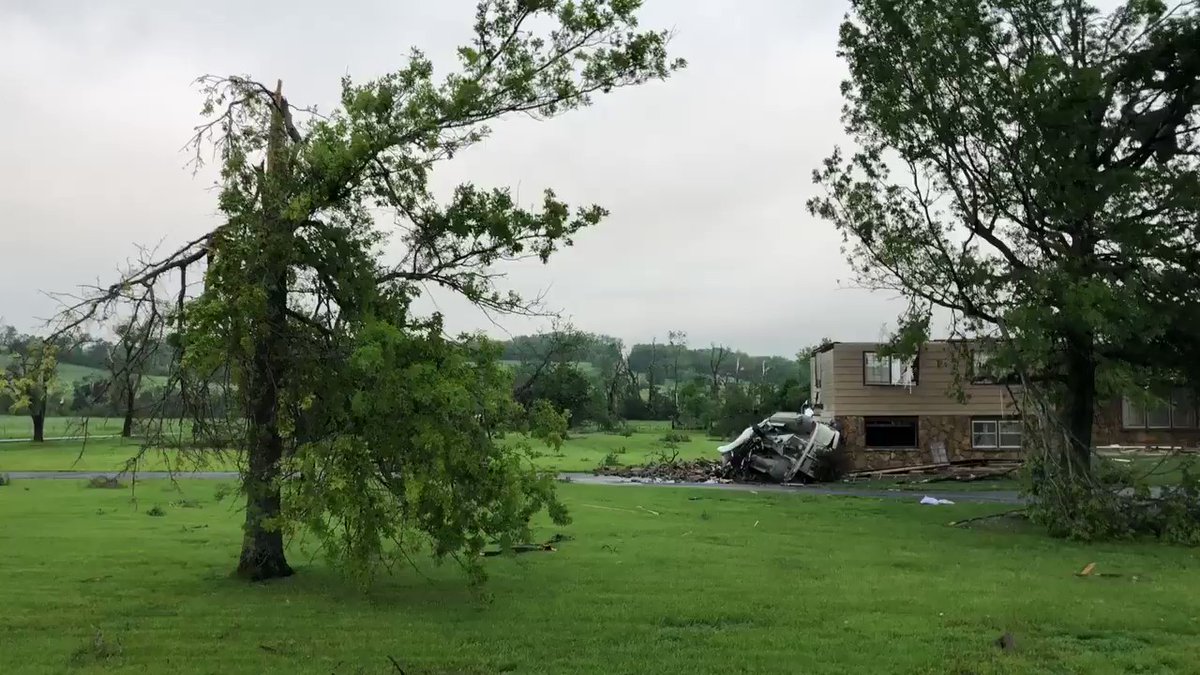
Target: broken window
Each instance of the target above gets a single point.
(890, 432)
(995, 434)
(888, 370)
(1179, 412)
(985, 371)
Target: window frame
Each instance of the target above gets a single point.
(895, 419)
(998, 423)
(1177, 405)
(913, 369)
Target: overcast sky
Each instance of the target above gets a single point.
(706, 174)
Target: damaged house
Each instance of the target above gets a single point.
(894, 412)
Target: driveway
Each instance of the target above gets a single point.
(979, 497)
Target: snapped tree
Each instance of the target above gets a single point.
(360, 420)
(1030, 169)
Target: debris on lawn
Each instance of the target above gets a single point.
(679, 471)
(548, 546)
(1087, 570)
(1006, 642)
(934, 501)
(105, 482)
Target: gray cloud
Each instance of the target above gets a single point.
(706, 174)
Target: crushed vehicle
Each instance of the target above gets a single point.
(785, 447)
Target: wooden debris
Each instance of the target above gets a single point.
(957, 470)
(1087, 571)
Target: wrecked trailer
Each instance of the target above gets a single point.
(784, 447)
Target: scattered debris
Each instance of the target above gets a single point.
(105, 482)
(1087, 570)
(548, 545)
(642, 508)
(1006, 642)
(697, 471)
(955, 470)
(934, 501)
(1002, 514)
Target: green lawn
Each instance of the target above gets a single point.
(581, 452)
(661, 580)
(21, 426)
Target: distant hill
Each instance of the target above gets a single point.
(70, 373)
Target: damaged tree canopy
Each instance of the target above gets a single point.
(1032, 171)
(361, 420)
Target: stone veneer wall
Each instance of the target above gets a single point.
(953, 430)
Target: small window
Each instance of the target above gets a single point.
(995, 434)
(984, 372)
(816, 366)
(1133, 416)
(1183, 410)
(984, 434)
(1177, 413)
(888, 370)
(890, 432)
(1010, 434)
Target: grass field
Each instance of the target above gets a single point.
(581, 452)
(655, 580)
(21, 426)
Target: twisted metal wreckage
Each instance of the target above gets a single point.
(782, 447)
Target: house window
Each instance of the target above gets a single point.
(995, 434)
(888, 370)
(1177, 413)
(890, 432)
(816, 366)
(984, 372)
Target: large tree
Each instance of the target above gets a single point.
(359, 419)
(29, 377)
(1028, 168)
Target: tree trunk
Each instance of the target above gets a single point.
(263, 555)
(39, 426)
(1080, 409)
(127, 425)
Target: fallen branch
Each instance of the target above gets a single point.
(989, 516)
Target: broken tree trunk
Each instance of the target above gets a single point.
(263, 555)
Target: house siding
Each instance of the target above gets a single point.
(934, 393)
(941, 416)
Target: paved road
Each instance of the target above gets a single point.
(989, 497)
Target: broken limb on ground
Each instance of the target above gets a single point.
(785, 447)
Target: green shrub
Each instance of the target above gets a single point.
(610, 460)
(676, 437)
(156, 511)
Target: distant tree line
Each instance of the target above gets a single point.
(592, 377)
(600, 382)
(123, 380)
